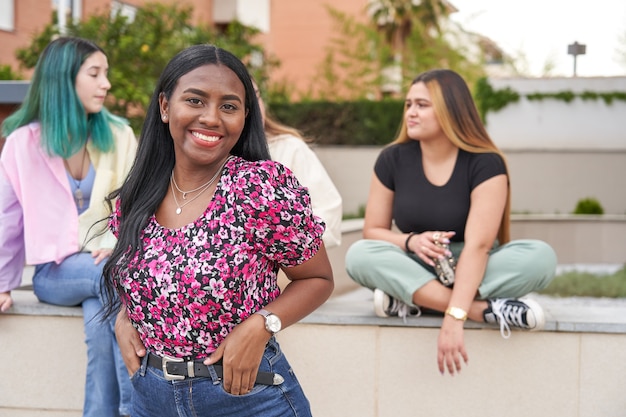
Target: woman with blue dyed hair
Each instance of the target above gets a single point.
(64, 153)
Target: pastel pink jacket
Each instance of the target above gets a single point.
(39, 222)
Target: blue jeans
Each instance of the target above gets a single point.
(77, 281)
(154, 396)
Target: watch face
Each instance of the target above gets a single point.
(272, 322)
(457, 315)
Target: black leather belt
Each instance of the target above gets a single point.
(175, 369)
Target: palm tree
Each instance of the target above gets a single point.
(398, 18)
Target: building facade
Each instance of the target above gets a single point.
(296, 32)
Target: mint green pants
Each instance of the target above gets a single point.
(513, 270)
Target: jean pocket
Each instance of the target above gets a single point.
(135, 374)
(255, 390)
(141, 371)
(271, 356)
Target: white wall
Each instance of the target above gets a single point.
(555, 124)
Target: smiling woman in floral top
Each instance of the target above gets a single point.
(204, 222)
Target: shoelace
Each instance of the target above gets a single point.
(507, 313)
(402, 309)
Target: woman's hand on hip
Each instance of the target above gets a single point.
(241, 353)
(129, 342)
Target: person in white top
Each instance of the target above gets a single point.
(289, 147)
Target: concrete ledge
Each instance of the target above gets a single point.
(576, 314)
(351, 362)
(572, 314)
(26, 303)
(385, 371)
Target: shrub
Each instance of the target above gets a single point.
(588, 206)
(7, 73)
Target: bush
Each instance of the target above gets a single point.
(361, 122)
(7, 73)
(588, 206)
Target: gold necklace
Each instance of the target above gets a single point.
(202, 188)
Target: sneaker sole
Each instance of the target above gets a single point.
(540, 318)
(380, 299)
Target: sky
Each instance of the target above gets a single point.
(541, 30)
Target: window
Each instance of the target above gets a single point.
(249, 12)
(67, 10)
(124, 10)
(6, 15)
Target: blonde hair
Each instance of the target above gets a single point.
(458, 117)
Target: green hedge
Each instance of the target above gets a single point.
(343, 123)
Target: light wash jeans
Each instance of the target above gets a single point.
(205, 396)
(77, 281)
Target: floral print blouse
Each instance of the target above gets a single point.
(186, 288)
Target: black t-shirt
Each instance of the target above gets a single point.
(418, 205)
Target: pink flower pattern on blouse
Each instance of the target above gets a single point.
(186, 288)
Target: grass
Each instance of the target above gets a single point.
(360, 214)
(583, 284)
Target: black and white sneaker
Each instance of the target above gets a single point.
(388, 306)
(523, 313)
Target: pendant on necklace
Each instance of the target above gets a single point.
(178, 210)
(184, 196)
(78, 195)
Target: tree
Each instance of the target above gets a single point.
(398, 19)
(352, 68)
(138, 50)
(363, 61)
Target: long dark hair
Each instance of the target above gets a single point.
(148, 180)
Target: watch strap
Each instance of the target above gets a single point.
(266, 315)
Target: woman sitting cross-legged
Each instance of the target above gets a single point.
(445, 186)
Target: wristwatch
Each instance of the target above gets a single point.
(272, 321)
(457, 313)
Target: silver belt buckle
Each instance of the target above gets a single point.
(164, 361)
